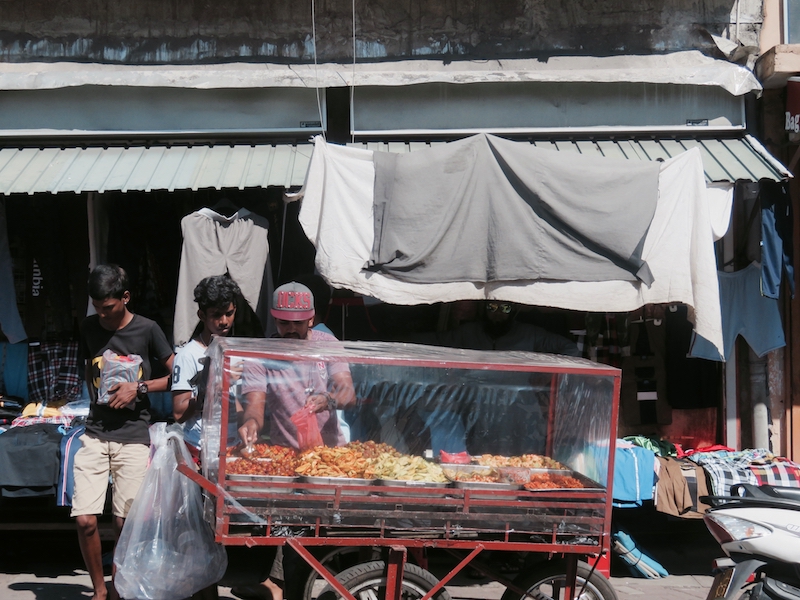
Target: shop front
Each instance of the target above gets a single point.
(111, 165)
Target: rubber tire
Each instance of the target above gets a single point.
(336, 554)
(247, 566)
(358, 578)
(597, 588)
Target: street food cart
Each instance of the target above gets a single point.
(535, 478)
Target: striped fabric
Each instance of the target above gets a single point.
(729, 468)
(779, 472)
(756, 467)
(53, 372)
(25, 421)
(70, 444)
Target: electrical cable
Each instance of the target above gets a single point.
(353, 80)
(316, 76)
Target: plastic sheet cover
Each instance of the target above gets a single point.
(422, 400)
(690, 67)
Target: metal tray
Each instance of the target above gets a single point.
(455, 469)
(483, 486)
(411, 486)
(481, 490)
(349, 485)
(486, 485)
(588, 484)
(475, 460)
(240, 479)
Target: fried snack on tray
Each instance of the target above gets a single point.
(350, 460)
(545, 481)
(404, 468)
(490, 476)
(372, 449)
(531, 461)
(265, 460)
(263, 451)
(256, 466)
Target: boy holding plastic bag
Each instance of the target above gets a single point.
(117, 440)
(167, 550)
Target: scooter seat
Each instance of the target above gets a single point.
(780, 491)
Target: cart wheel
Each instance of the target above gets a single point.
(367, 582)
(546, 581)
(336, 561)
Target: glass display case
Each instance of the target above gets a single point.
(420, 443)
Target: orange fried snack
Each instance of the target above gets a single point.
(265, 460)
(544, 481)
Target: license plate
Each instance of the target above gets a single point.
(719, 589)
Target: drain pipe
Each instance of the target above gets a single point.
(759, 401)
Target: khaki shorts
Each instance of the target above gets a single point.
(276, 572)
(94, 462)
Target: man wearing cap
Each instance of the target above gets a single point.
(323, 386)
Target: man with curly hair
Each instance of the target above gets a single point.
(216, 299)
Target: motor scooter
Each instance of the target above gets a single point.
(758, 527)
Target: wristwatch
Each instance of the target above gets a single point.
(331, 402)
(141, 389)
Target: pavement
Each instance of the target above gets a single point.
(77, 586)
(45, 563)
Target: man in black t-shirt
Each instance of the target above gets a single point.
(117, 440)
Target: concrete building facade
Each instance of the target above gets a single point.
(87, 74)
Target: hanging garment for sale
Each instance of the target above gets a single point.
(215, 244)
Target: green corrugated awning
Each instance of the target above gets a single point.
(724, 159)
(140, 168)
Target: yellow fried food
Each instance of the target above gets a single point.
(404, 468)
(490, 476)
(331, 462)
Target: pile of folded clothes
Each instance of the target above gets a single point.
(10, 409)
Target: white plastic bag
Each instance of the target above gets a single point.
(116, 369)
(166, 550)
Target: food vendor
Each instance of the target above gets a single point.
(322, 387)
(499, 330)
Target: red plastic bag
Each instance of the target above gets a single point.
(308, 435)
(461, 458)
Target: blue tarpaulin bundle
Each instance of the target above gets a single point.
(639, 563)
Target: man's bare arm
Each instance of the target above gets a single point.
(123, 394)
(253, 418)
(184, 405)
(342, 393)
